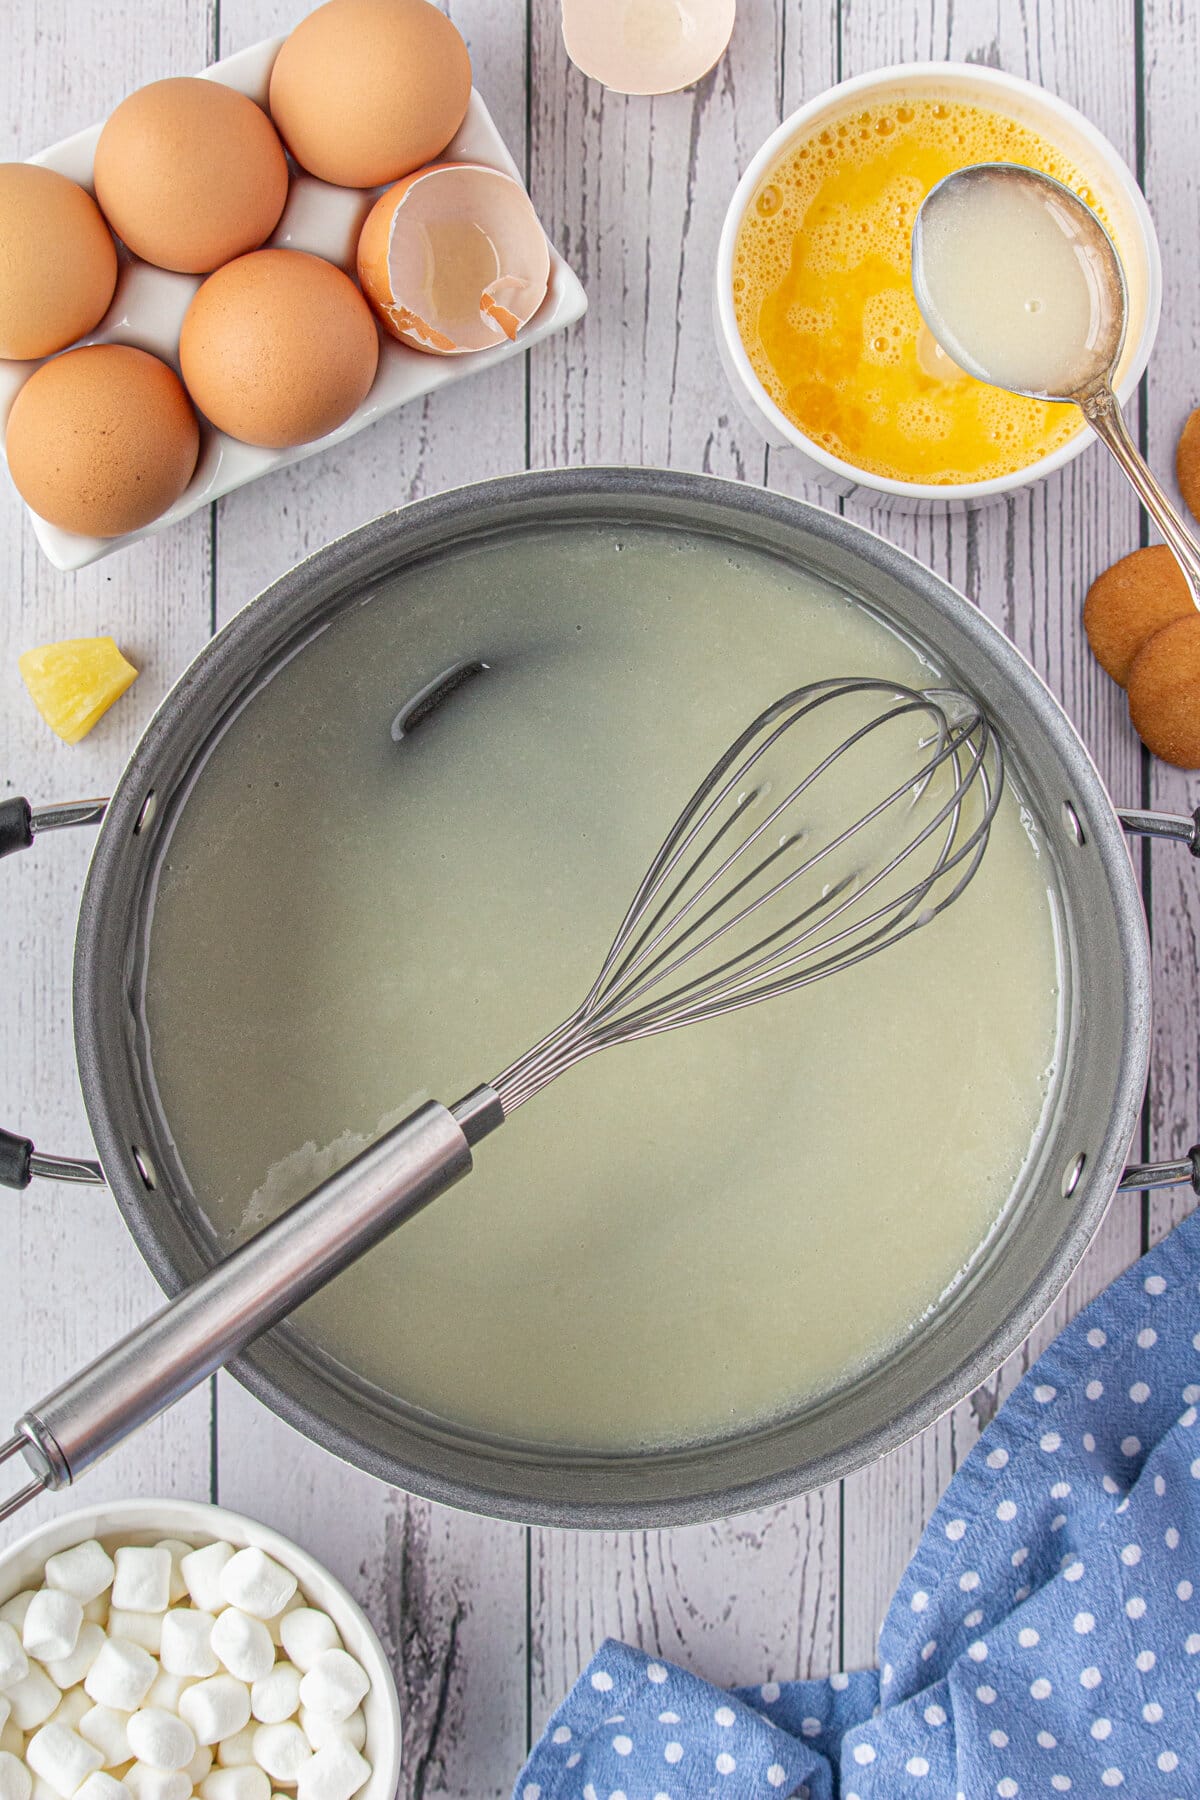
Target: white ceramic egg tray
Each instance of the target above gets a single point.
(148, 307)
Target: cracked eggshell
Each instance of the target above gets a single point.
(453, 258)
(646, 46)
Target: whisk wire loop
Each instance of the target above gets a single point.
(664, 864)
(659, 973)
(707, 884)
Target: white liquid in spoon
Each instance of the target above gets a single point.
(1010, 287)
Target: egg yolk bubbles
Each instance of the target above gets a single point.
(824, 302)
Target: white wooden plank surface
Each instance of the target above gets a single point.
(488, 1624)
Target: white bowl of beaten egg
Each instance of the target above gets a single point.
(817, 326)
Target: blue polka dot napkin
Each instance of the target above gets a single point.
(1045, 1638)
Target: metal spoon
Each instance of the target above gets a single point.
(1091, 379)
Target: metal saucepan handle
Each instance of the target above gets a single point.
(1102, 410)
(19, 824)
(1180, 829)
(255, 1287)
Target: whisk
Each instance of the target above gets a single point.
(769, 880)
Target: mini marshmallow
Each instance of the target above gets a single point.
(237, 1751)
(200, 1764)
(142, 1582)
(121, 1675)
(70, 1709)
(176, 1550)
(333, 1773)
(243, 1644)
(307, 1634)
(102, 1786)
(144, 1628)
(165, 1690)
(95, 1612)
(32, 1699)
(201, 1569)
(160, 1738)
(42, 1790)
(15, 1780)
(5, 1709)
(257, 1584)
(62, 1758)
(104, 1727)
(246, 1782)
(86, 1571)
(147, 1783)
(13, 1611)
(334, 1685)
(52, 1625)
(215, 1708)
(276, 1695)
(69, 1671)
(297, 1600)
(283, 1751)
(186, 1643)
(14, 1664)
(320, 1730)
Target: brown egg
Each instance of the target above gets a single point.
(190, 174)
(58, 263)
(365, 91)
(102, 440)
(278, 348)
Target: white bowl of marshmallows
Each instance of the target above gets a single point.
(165, 1650)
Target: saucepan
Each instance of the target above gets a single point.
(1076, 1168)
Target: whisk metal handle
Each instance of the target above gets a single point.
(255, 1287)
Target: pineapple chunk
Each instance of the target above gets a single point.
(75, 682)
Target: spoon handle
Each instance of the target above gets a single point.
(1102, 410)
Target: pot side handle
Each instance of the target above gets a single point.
(1178, 828)
(19, 825)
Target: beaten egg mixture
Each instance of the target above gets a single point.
(825, 307)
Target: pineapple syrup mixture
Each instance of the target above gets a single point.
(824, 302)
(1012, 286)
(682, 1236)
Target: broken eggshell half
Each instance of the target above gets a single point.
(647, 46)
(453, 258)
